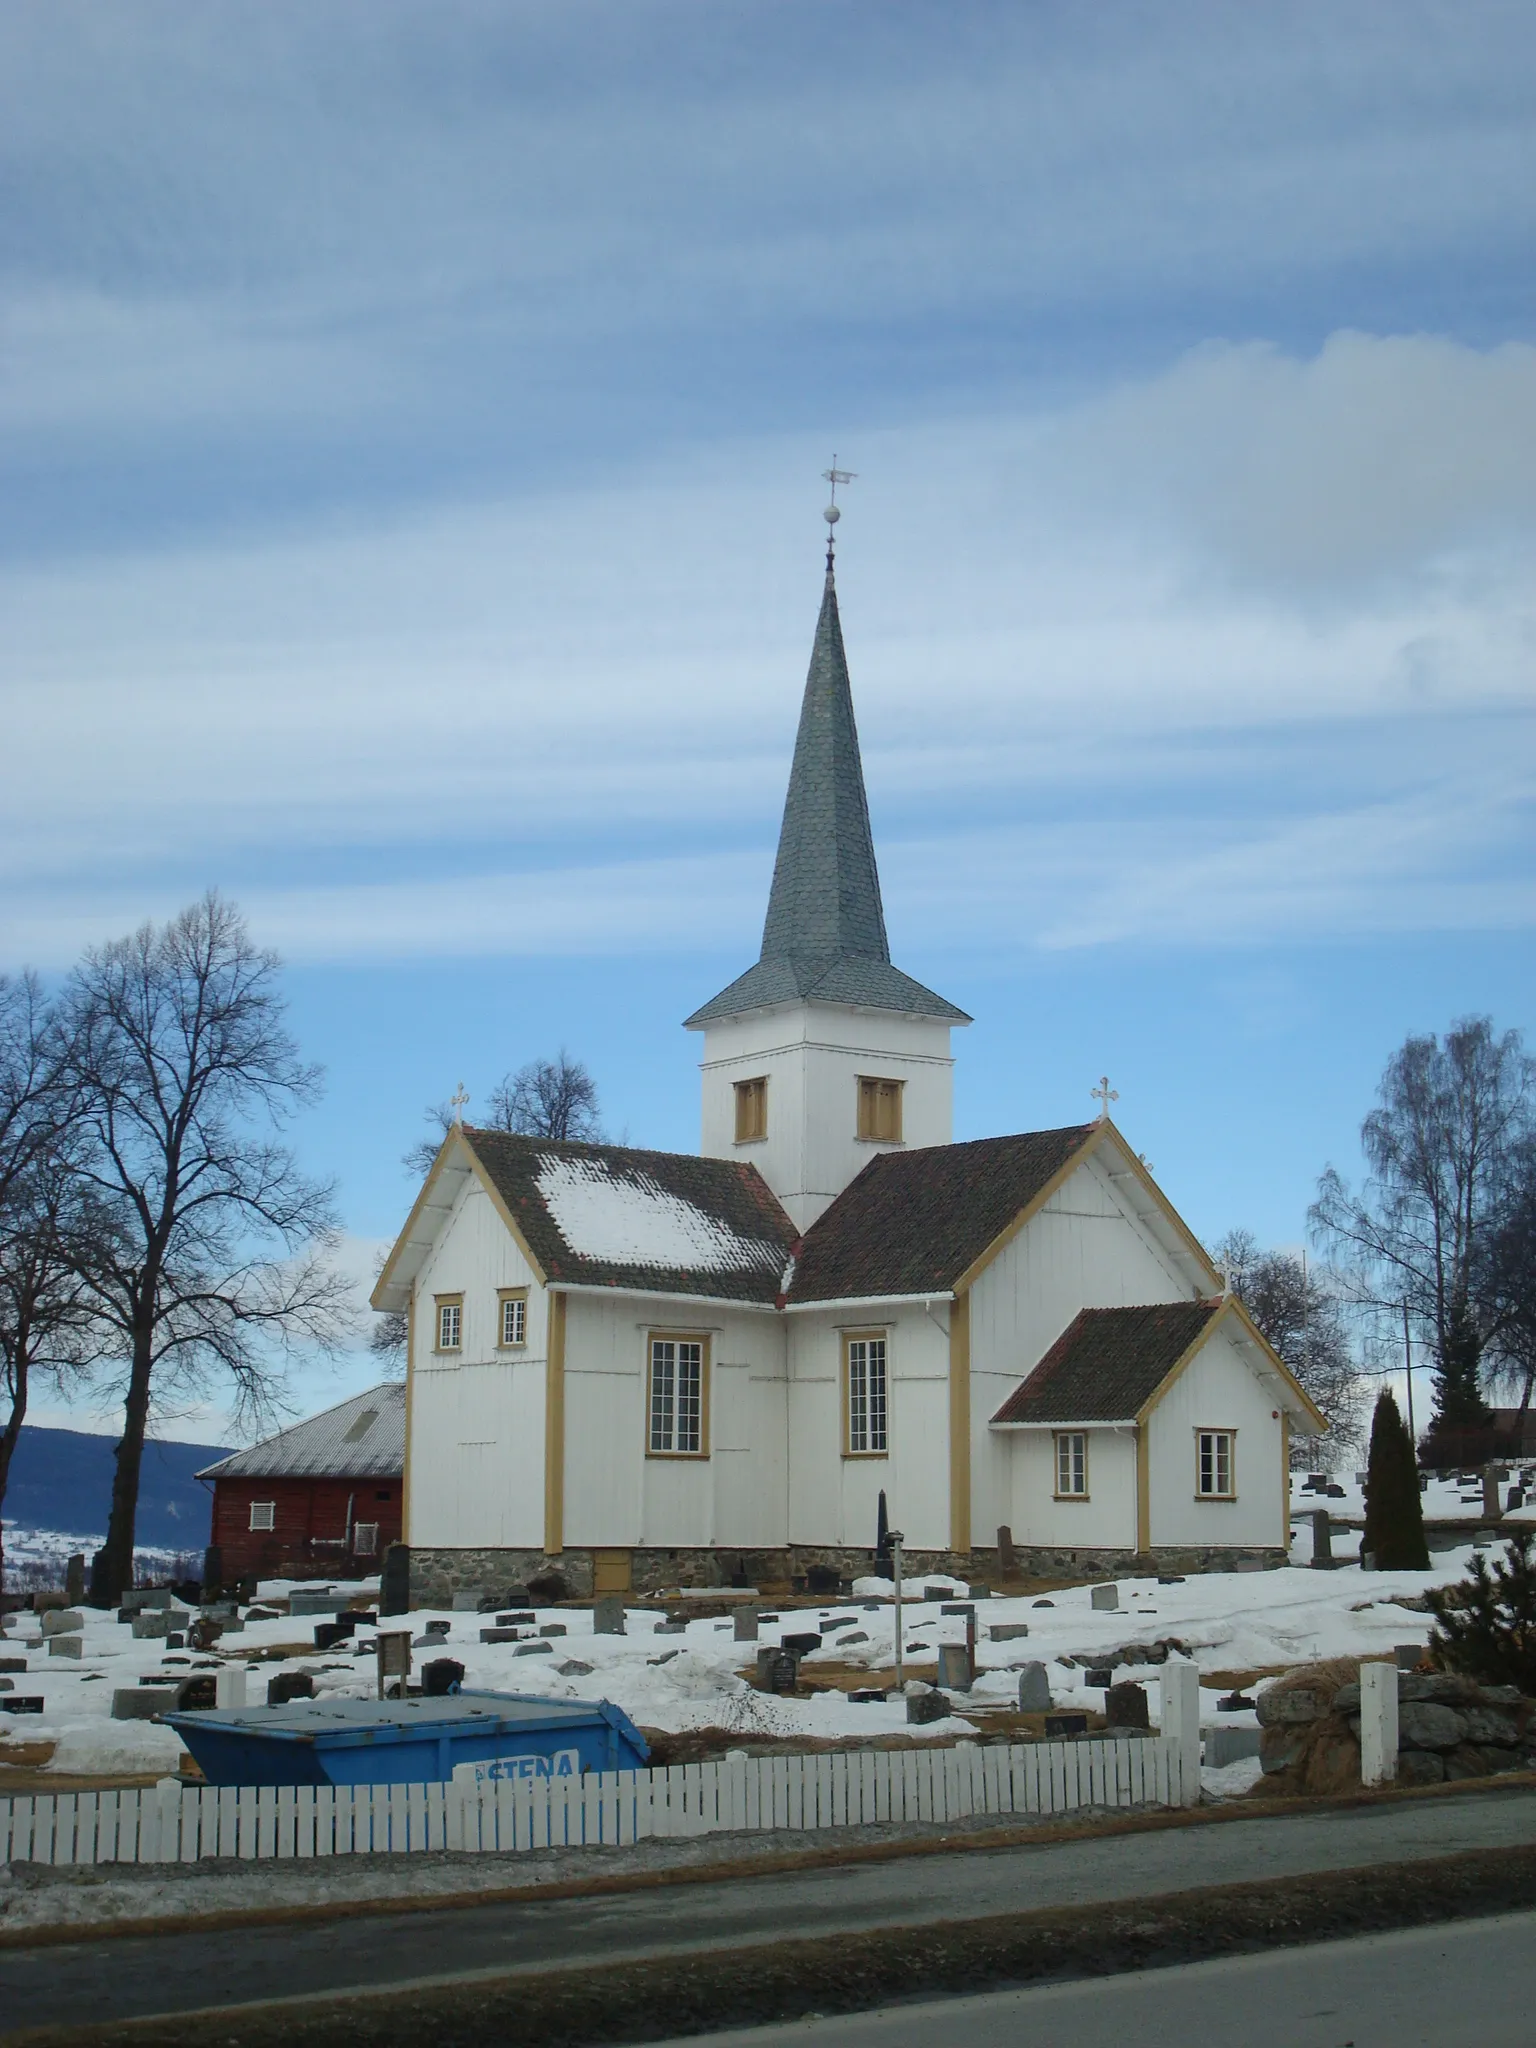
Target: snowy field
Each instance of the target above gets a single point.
(1444, 1499)
(1228, 1622)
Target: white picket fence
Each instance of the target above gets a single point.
(171, 1822)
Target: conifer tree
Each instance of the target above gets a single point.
(1485, 1628)
(1394, 1512)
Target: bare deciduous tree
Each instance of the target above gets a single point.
(545, 1099)
(1298, 1311)
(1453, 1112)
(48, 1329)
(42, 1322)
(217, 1258)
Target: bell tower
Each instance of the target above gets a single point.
(823, 1053)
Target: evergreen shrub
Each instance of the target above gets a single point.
(1485, 1627)
(1394, 1510)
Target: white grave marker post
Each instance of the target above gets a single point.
(1378, 1723)
(1181, 1720)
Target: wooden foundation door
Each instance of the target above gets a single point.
(610, 1572)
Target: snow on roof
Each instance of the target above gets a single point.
(629, 1219)
(363, 1438)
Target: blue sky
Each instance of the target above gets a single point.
(410, 438)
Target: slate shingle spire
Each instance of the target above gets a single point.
(824, 935)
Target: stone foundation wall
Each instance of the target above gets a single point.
(436, 1575)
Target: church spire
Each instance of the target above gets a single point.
(824, 936)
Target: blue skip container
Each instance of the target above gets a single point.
(408, 1742)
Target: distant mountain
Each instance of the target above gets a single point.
(61, 1480)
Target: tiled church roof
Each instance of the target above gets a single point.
(824, 936)
(611, 1216)
(914, 1221)
(1107, 1363)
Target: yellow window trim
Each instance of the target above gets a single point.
(883, 1333)
(701, 1337)
(439, 1303)
(874, 1092)
(752, 1110)
(1200, 1429)
(511, 1294)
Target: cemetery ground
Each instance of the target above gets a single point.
(647, 1941)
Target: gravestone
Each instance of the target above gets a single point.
(608, 1616)
(1516, 1499)
(1409, 1655)
(66, 1646)
(574, 1668)
(316, 1600)
(1236, 1702)
(923, 1707)
(524, 1620)
(957, 1607)
(1231, 1745)
(441, 1676)
(501, 1635)
(858, 1635)
(1045, 1603)
(143, 1702)
(1034, 1690)
(801, 1643)
(745, 1628)
(1335, 1492)
(13, 1663)
(74, 1579)
(676, 1628)
(1322, 1540)
(149, 1627)
(1125, 1706)
(395, 1580)
(62, 1621)
(437, 1628)
(978, 1592)
(1105, 1598)
(1493, 1507)
(1102, 1675)
(1006, 1555)
(1008, 1631)
(289, 1685)
(393, 1651)
(22, 1703)
(229, 1685)
(467, 1600)
(1059, 1725)
(954, 1667)
(554, 1628)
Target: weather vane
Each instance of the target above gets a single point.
(834, 476)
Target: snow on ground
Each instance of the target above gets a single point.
(1229, 1621)
(1445, 1500)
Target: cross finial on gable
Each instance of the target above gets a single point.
(458, 1102)
(1104, 1095)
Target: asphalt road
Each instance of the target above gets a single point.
(186, 1969)
(1468, 1985)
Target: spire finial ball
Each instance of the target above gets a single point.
(832, 514)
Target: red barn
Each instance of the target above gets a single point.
(321, 1500)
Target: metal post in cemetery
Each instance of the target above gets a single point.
(896, 1539)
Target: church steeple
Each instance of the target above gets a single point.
(824, 936)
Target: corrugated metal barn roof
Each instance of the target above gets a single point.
(363, 1438)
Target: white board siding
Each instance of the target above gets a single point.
(477, 1416)
(1085, 1249)
(834, 1500)
(615, 1495)
(813, 1055)
(1216, 1390)
(1106, 1520)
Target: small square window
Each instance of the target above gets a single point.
(365, 1539)
(1215, 1464)
(264, 1514)
(880, 1110)
(450, 1323)
(751, 1110)
(513, 1329)
(1072, 1464)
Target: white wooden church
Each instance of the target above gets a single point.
(655, 1368)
